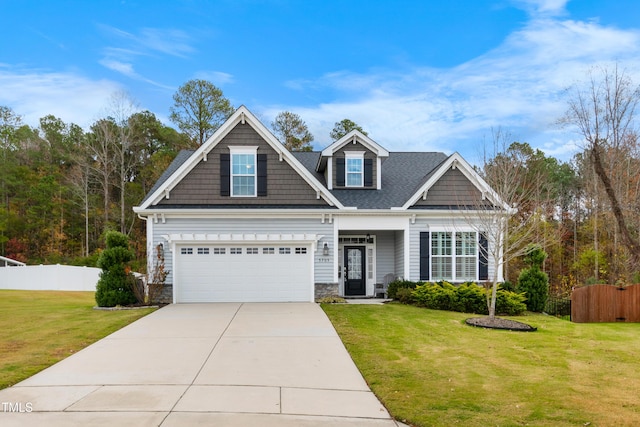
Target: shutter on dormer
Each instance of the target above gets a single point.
(340, 172)
(483, 264)
(225, 174)
(425, 250)
(368, 172)
(262, 174)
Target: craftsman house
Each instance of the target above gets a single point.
(243, 219)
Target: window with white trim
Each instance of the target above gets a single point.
(457, 265)
(235, 251)
(284, 251)
(186, 251)
(268, 251)
(466, 255)
(243, 171)
(301, 251)
(252, 251)
(354, 169)
(219, 251)
(203, 251)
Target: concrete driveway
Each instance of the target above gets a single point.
(204, 364)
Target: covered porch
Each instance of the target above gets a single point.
(368, 260)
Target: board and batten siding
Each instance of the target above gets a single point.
(201, 186)
(323, 271)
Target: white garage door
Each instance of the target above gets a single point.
(243, 273)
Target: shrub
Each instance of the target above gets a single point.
(471, 298)
(399, 284)
(533, 282)
(438, 296)
(467, 297)
(510, 303)
(405, 296)
(115, 286)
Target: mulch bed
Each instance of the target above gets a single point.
(498, 323)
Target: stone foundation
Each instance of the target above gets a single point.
(165, 296)
(323, 290)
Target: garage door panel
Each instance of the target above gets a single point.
(235, 273)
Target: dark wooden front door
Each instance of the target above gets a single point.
(354, 279)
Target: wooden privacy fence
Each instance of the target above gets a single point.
(605, 303)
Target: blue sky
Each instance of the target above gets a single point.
(417, 75)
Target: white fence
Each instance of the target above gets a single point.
(49, 278)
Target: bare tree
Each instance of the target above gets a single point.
(603, 110)
(121, 109)
(494, 212)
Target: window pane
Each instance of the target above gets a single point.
(243, 186)
(243, 164)
(354, 165)
(441, 268)
(466, 268)
(354, 179)
(466, 243)
(441, 243)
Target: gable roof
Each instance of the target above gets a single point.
(353, 136)
(187, 160)
(402, 175)
(456, 161)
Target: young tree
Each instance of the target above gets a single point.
(603, 110)
(533, 281)
(115, 286)
(292, 131)
(199, 109)
(343, 127)
(494, 213)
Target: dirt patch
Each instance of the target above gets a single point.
(498, 323)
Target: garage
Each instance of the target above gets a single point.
(241, 272)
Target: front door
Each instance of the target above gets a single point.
(354, 278)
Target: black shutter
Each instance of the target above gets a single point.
(340, 172)
(368, 172)
(262, 174)
(225, 174)
(483, 264)
(425, 251)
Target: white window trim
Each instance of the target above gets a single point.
(353, 155)
(453, 254)
(253, 150)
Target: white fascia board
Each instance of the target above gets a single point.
(466, 169)
(244, 238)
(243, 115)
(361, 138)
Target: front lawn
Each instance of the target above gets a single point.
(39, 328)
(431, 369)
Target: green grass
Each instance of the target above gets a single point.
(431, 369)
(40, 328)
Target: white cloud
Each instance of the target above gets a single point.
(517, 86)
(34, 94)
(218, 78)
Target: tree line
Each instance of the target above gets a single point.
(62, 187)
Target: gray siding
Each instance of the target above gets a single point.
(385, 256)
(422, 224)
(202, 185)
(323, 271)
(399, 254)
(367, 155)
(452, 189)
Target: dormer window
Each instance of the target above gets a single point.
(243, 171)
(354, 169)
